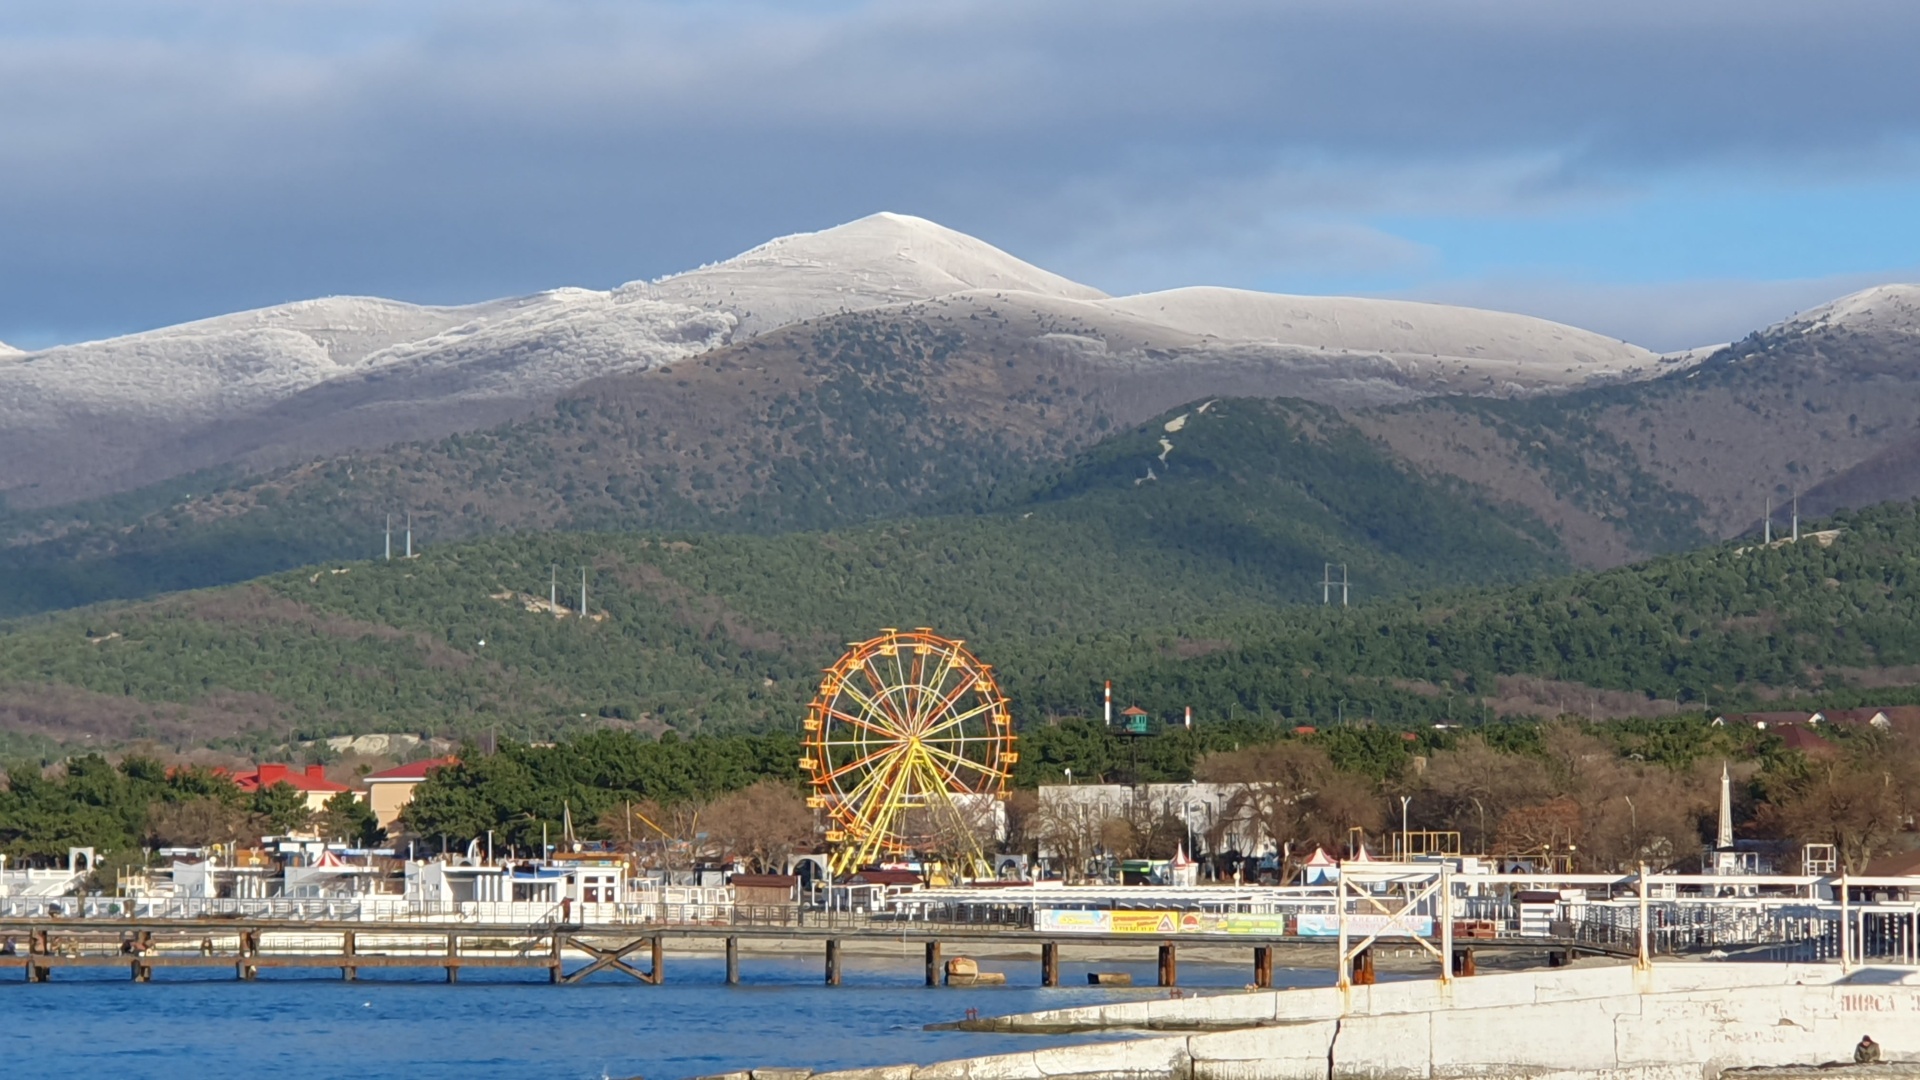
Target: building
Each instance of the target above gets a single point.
(312, 782)
(389, 792)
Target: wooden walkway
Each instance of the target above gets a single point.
(246, 947)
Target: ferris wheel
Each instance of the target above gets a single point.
(907, 746)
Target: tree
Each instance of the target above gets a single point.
(347, 818)
(283, 808)
(1857, 802)
(1470, 786)
(202, 821)
(760, 824)
(1292, 794)
(1068, 831)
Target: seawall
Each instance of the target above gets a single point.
(1675, 1022)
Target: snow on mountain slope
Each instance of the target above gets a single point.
(1884, 308)
(878, 260)
(1392, 327)
(314, 377)
(213, 366)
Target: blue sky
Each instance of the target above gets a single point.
(1669, 173)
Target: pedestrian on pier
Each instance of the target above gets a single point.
(1867, 1053)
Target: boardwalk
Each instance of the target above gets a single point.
(567, 954)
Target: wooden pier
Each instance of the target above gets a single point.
(247, 947)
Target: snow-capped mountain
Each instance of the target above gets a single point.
(283, 383)
(875, 261)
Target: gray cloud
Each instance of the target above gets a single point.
(161, 160)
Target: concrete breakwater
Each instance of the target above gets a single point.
(1676, 1021)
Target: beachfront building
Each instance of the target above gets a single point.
(32, 881)
(389, 792)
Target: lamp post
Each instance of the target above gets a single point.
(1404, 801)
(1633, 826)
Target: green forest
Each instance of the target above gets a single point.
(719, 633)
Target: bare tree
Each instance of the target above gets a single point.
(761, 824)
(1471, 786)
(1069, 831)
(201, 822)
(1858, 803)
(1293, 795)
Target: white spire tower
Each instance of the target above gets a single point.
(1724, 841)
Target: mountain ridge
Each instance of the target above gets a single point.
(272, 386)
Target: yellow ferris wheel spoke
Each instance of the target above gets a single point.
(873, 708)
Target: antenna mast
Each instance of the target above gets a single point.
(409, 534)
(1796, 517)
(389, 537)
(1766, 535)
(553, 587)
(583, 592)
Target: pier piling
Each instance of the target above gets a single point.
(1169, 965)
(1050, 963)
(348, 972)
(933, 963)
(733, 961)
(833, 962)
(1263, 967)
(1363, 968)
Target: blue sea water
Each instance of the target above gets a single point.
(199, 1025)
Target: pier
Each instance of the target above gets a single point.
(567, 954)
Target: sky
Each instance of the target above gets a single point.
(1672, 173)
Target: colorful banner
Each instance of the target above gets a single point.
(1361, 926)
(1073, 922)
(1158, 923)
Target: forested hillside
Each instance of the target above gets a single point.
(1235, 510)
(1182, 598)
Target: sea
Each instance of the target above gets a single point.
(195, 1024)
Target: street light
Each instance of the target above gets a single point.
(1404, 800)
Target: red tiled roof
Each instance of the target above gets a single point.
(267, 775)
(413, 770)
(1805, 741)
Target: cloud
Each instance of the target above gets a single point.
(162, 159)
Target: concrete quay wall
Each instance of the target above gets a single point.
(1540, 1026)
(1221, 1011)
